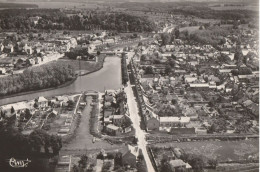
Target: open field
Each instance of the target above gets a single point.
(222, 150)
(253, 8)
(84, 67)
(190, 29)
(207, 20)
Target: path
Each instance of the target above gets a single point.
(135, 118)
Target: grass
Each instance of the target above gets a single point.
(223, 151)
(207, 20)
(84, 66)
(190, 29)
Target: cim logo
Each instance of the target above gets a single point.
(19, 163)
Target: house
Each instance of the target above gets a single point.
(113, 130)
(108, 112)
(2, 47)
(199, 85)
(14, 108)
(9, 48)
(28, 49)
(118, 120)
(174, 121)
(179, 164)
(152, 120)
(34, 20)
(2, 70)
(247, 103)
(129, 157)
(54, 113)
(30, 61)
(42, 102)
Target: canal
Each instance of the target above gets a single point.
(109, 77)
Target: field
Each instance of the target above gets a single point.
(190, 29)
(207, 20)
(222, 150)
(83, 67)
(253, 8)
(57, 4)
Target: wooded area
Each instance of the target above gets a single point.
(54, 19)
(45, 76)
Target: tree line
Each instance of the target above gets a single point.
(124, 69)
(55, 19)
(45, 76)
(14, 143)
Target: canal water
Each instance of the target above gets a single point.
(109, 77)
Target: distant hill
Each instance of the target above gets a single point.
(17, 5)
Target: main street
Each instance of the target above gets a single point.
(135, 118)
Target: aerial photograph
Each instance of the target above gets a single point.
(129, 85)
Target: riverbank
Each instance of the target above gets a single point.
(108, 77)
(99, 67)
(41, 90)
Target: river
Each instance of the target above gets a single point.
(109, 77)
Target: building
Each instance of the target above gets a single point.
(42, 102)
(152, 121)
(129, 157)
(2, 70)
(9, 48)
(174, 121)
(118, 120)
(179, 164)
(12, 109)
(113, 130)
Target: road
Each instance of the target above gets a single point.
(136, 119)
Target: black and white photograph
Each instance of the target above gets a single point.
(129, 86)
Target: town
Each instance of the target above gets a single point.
(130, 86)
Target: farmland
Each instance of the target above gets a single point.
(224, 151)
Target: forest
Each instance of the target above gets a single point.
(45, 76)
(52, 19)
(187, 8)
(37, 147)
(16, 5)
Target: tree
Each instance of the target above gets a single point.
(165, 38)
(174, 101)
(168, 69)
(71, 103)
(234, 72)
(177, 33)
(83, 161)
(35, 105)
(12, 110)
(213, 163)
(75, 168)
(166, 166)
(238, 55)
(100, 155)
(143, 57)
(211, 103)
(149, 70)
(195, 161)
(118, 159)
(56, 144)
